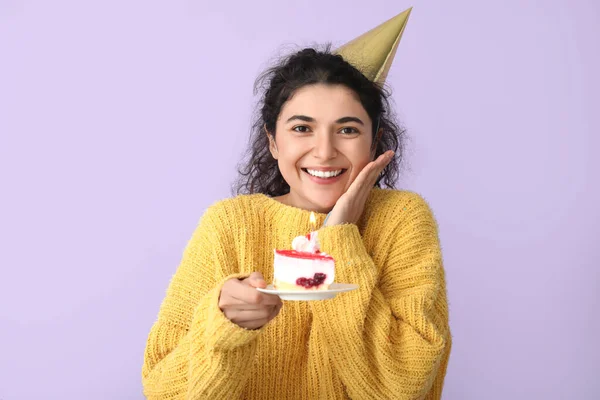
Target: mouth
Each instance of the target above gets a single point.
(320, 176)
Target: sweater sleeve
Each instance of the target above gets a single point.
(390, 338)
(193, 350)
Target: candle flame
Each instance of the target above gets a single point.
(313, 220)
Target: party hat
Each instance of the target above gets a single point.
(372, 53)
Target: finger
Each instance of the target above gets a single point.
(255, 324)
(375, 168)
(360, 189)
(241, 306)
(360, 179)
(276, 309)
(257, 280)
(256, 298)
(247, 294)
(228, 298)
(250, 315)
(382, 161)
(236, 292)
(239, 289)
(269, 299)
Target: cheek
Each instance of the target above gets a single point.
(363, 160)
(289, 156)
(359, 158)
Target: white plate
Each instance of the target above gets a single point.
(330, 293)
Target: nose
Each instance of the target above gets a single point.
(324, 146)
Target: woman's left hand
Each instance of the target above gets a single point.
(350, 205)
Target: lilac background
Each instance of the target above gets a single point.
(121, 121)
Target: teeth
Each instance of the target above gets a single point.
(324, 174)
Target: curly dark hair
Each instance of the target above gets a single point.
(259, 171)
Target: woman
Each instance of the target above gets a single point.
(324, 141)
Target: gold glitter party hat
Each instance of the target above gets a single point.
(372, 53)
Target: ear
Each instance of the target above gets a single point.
(272, 145)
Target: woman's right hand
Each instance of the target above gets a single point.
(245, 306)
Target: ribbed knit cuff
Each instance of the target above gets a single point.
(220, 333)
(352, 262)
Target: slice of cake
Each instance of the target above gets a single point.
(303, 268)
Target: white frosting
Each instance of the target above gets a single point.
(302, 243)
(289, 269)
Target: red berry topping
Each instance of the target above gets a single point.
(301, 281)
(308, 283)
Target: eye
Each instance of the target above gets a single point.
(301, 129)
(349, 131)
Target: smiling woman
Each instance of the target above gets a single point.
(318, 152)
(324, 143)
(316, 101)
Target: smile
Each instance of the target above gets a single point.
(324, 174)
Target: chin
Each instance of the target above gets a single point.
(323, 202)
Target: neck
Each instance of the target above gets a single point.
(293, 200)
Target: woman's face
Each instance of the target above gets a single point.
(323, 140)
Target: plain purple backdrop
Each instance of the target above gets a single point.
(121, 121)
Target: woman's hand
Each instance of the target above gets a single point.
(350, 205)
(245, 306)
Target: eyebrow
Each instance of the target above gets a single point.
(301, 118)
(342, 120)
(349, 119)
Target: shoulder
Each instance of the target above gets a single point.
(399, 207)
(405, 222)
(390, 197)
(394, 201)
(231, 211)
(224, 219)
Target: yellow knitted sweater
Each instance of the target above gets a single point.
(389, 339)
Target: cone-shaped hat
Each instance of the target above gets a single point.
(373, 52)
